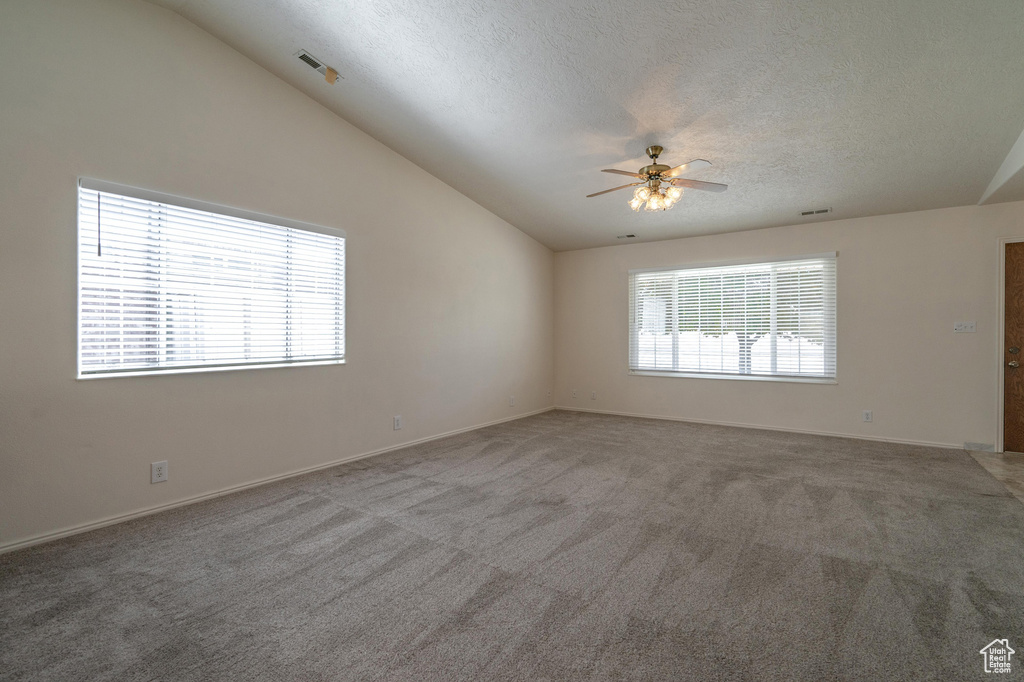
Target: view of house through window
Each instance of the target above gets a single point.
(762, 319)
(167, 284)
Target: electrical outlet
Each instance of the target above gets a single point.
(398, 422)
(158, 472)
(549, 394)
(574, 393)
(511, 401)
(593, 395)
(868, 416)
(964, 328)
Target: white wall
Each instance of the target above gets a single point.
(903, 280)
(450, 309)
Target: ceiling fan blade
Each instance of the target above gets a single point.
(697, 184)
(679, 170)
(632, 175)
(613, 189)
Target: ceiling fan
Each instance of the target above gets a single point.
(649, 192)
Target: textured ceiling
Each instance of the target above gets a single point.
(870, 107)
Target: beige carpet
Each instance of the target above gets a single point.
(561, 546)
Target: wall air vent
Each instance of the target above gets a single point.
(327, 72)
(816, 211)
(626, 236)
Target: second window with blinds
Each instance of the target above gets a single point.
(169, 285)
(771, 320)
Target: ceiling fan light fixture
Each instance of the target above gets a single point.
(654, 198)
(657, 202)
(640, 195)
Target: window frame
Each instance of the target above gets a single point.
(694, 374)
(92, 184)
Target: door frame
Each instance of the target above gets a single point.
(999, 339)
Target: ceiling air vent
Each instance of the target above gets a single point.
(330, 74)
(816, 211)
(304, 56)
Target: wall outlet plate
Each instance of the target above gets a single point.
(868, 416)
(398, 422)
(964, 328)
(158, 472)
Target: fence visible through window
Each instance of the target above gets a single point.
(761, 319)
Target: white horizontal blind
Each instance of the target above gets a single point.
(165, 287)
(769, 319)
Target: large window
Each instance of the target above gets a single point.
(172, 285)
(755, 320)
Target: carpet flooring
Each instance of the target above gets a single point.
(561, 546)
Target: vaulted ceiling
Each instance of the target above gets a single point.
(867, 107)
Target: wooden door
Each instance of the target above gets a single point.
(1013, 343)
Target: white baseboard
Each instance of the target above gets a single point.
(767, 428)
(120, 518)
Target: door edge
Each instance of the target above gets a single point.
(1001, 316)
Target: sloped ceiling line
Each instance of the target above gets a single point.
(1012, 164)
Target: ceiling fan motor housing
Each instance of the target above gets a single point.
(654, 169)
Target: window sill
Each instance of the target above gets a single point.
(734, 377)
(206, 369)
